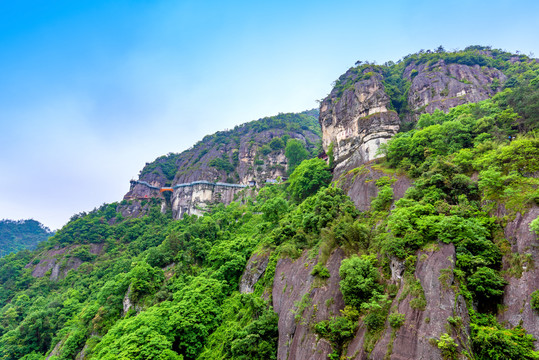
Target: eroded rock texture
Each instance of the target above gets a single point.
(360, 185)
(441, 86)
(359, 116)
(357, 123)
(256, 266)
(301, 300)
(517, 292)
(411, 341)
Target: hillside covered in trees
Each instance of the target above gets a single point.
(21, 234)
(442, 268)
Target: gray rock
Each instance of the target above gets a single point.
(256, 266)
(517, 293)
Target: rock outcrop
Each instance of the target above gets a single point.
(413, 340)
(517, 297)
(256, 266)
(58, 262)
(240, 156)
(359, 114)
(354, 125)
(301, 300)
(444, 86)
(360, 185)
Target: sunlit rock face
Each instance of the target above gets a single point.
(355, 124)
(441, 86)
(358, 115)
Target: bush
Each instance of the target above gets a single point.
(490, 340)
(320, 271)
(447, 346)
(486, 283)
(396, 320)
(534, 303)
(534, 226)
(384, 199)
(359, 280)
(308, 178)
(295, 153)
(276, 143)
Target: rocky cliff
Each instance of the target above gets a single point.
(370, 103)
(250, 154)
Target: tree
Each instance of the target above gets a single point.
(295, 153)
(359, 280)
(308, 177)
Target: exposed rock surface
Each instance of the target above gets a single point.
(298, 294)
(517, 292)
(238, 156)
(441, 86)
(256, 266)
(358, 115)
(194, 199)
(356, 124)
(411, 340)
(58, 261)
(360, 185)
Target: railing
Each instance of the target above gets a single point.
(177, 186)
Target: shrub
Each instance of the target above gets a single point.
(276, 143)
(486, 283)
(396, 320)
(534, 303)
(320, 271)
(359, 280)
(447, 346)
(308, 177)
(534, 226)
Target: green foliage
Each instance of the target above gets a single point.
(339, 330)
(534, 225)
(447, 346)
(534, 303)
(491, 340)
(295, 153)
(359, 280)
(320, 271)
(308, 177)
(486, 283)
(396, 320)
(165, 165)
(276, 144)
(222, 164)
(384, 199)
(21, 234)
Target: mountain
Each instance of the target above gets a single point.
(18, 235)
(251, 153)
(417, 239)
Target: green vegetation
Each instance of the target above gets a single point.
(21, 234)
(179, 279)
(308, 177)
(220, 151)
(295, 153)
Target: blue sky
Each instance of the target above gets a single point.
(91, 90)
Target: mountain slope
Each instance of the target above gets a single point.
(432, 255)
(21, 234)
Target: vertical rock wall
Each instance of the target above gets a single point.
(357, 123)
(517, 293)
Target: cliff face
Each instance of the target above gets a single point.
(250, 154)
(355, 124)
(443, 86)
(525, 280)
(365, 108)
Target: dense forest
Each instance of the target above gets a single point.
(21, 234)
(157, 288)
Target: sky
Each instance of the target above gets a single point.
(92, 90)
